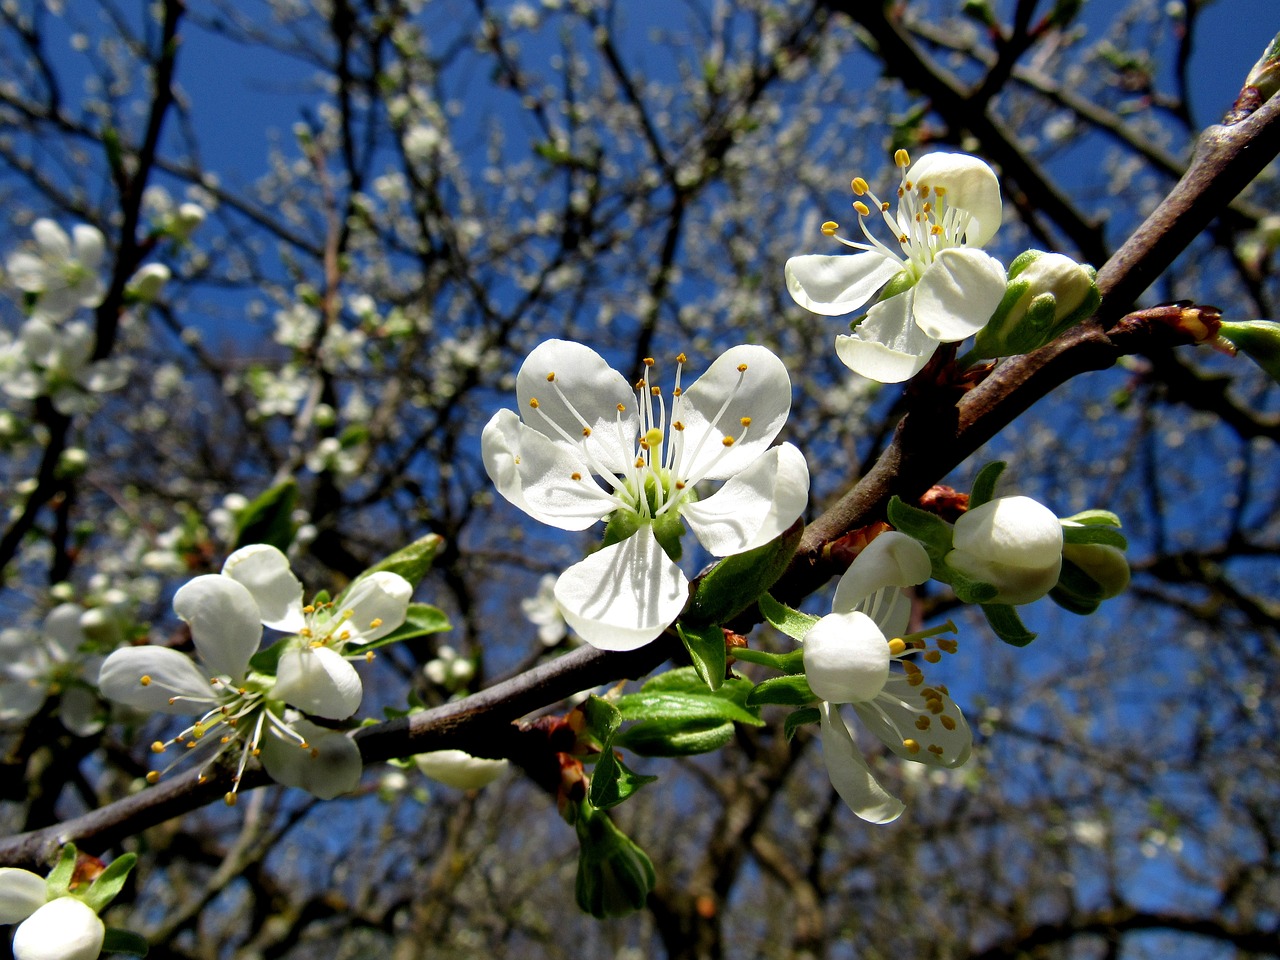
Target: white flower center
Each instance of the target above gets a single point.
(924, 224)
(661, 474)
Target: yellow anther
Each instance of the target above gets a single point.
(902, 238)
(202, 779)
(745, 421)
(305, 632)
(679, 484)
(647, 361)
(935, 750)
(586, 431)
(622, 407)
(255, 751)
(145, 680)
(915, 679)
(948, 645)
(912, 746)
(923, 722)
(936, 230)
(575, 475)
(948, 722)
(157, 747)
(551, 377)
(927, 207)
(677, 425)
(935, 706)
(884, 206)
(859, 186)
(933, 656)
(829, 228)
(678, 391)
(742, 368)
(923, 190)
(533, 402)
(375, 623)
(309, 608)
(911, 668)
(862, 208)
(172, 701)
(304, 745)
(681, 358)
(896, 647)
(229, 799)
(639, 462)
(655, 391)
(224, 739)
(902, 158)
(727, 441)
(190, 744)
(368, 656)
(939, 192)
(153, 776)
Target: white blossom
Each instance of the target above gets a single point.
(1012, 543)
(62, 272)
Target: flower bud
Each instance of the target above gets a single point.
(146, 284)
(456, 768)
(1012, 543)
(615, 876)
(63, 929)
(1260, 339)
(1091, 573)
(1048, 293)
(187, 218)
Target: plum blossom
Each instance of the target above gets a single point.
(459, 769)
(62, 272)
(848, 658)
(57, 361)
(583, 421)
(50, 663)
(1012, 543)
(936, 285)
(61, 928)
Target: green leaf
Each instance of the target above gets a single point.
(690, 707)
(984, 484)
(792, 662)
(707, 651)
(782, 618)
(59, 879)
(269, 517)
(603, 719)
(110, 882)
(1006, 623)
(613, 782)
(738, 581)
(1095, 534)
(798, 718)
(411, 562)
(419, 620)
(932, 531)
(124, 941)
(670, 738)
(789, 691)
(268, 661)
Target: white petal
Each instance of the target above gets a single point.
(846, 658)
(971, 185)
(89, 246)
(832, 286)
(318, 681)
(958, 293)
(62, 628)
(887, 346)
(21, 695)
(53, 241)
(459, 769)
(78, 711)
(623, 596)
(713, 408)
(378, 604)
(22, 893)
(171, 674)
(226, 624)
(1014, 584)
(63, 929)
(518, 457)
(850, 774)
(329, 765)
(753, 507)
(891, 560)
(592, 387)
(26, 271)
(902, 711)
(1015, 530)
(264, 571)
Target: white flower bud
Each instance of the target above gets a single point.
(456, 768)
(1012, 543)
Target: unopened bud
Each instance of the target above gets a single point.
(1260, 339)
(185, 220)
(615, 877)
(147, 283)
(1048, 293)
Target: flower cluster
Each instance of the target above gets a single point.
(258, 709)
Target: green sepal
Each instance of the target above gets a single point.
(1006, 623)
(268, 661)
(612, 781)
(419, 620)
(968, 590)
(707, 651)
(1095, 518)
(664, 738)
(782, 618)
(667, 530)
(622, 524)
(1076, 591)
(411, 562)
(1095, 533)
(110, 882)
(934, 533)
(59, 879)
(115, 940)
(268, 518)
(792, 691)
(789, 663)
(738, 581)
(615, 877)
(798, 718)
(603, 719)
(984, 484)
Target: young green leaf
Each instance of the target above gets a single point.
(798, 718)
(707, 651)
(984, 484)
(1006, 623)
(782, 618)
(789, 691)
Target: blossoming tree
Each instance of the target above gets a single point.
(487, 503)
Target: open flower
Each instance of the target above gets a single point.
(59, 364)
(61, 928)
(50, 663)
(848, 658)
(62, 273)
(582, 420)
(936, 285)
(1012, 543)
